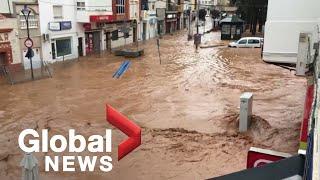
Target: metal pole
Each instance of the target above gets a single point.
(9, 6)
(197, 22)
(189, 29)
(28, 33)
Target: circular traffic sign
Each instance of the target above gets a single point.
(28, 43)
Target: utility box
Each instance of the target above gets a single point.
(245, 111)
(304, 56)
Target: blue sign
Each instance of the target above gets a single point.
(64, 25)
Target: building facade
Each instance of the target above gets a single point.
(34, 32)
(59, 29)
(148, 24)
(9, 43)
(14, 26)
(161, 15)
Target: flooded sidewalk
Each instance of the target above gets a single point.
(187, 106)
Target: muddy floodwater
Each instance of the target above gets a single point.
(187, 106)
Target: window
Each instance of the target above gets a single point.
(81, 6)
(63, 47)
(244, 41)
(253, 41)
(225, 29)
(57, 12)
(33, 21)
(120, 6)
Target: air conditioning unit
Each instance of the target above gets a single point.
(45, 37)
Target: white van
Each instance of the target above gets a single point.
(247, 42)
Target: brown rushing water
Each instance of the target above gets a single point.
(188, 107)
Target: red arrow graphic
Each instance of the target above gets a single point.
(126, 126)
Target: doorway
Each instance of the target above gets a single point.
(144, 31)
(53, 50)
(134, 34)
(108, 41)
(80, 46)
(96, 41)
(2, 59)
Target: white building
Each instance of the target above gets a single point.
(59, 26)
(285, 20)
(148, 25)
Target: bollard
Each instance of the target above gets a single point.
(245, 111)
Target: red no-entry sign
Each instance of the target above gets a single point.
(28, 43)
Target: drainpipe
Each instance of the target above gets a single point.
(9, 6)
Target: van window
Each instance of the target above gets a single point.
(253, 41)
(244, 41)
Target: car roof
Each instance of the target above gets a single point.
(251, 38)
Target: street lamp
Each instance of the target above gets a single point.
(28, 43)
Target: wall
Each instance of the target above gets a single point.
(11, 23)
(35, 35)
(284, 25)
(104, 8)
(7, 6)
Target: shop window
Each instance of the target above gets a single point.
(225, 29)
(63, 47)
(120, 6)
(81, 6)
(33, 21)
(57, 12)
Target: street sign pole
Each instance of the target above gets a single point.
(28, 43)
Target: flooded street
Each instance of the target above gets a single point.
(188, 108)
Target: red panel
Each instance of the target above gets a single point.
(5, 30)
(87, 26)
(101, 18)
(256, 159)
(306, 114)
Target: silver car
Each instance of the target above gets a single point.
(247, 42)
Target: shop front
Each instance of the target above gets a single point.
(62, 44)
(171, 21)
(92, 41)
(92, 38)
(5, 47)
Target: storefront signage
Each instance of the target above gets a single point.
(101, 18)
(54, 26)
(171, 16)
(4, 37)
(87, 26)
(65, 25)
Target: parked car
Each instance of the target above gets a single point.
(247, 42)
